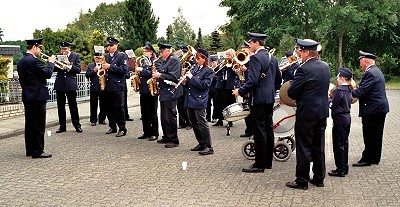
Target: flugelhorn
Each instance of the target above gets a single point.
(57, 63)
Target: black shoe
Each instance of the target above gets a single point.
(121, 133)
(171, 145)
(294, 184)
(361, 164)
(143, 137)
(61, 130)
(245, 135)
(213, 121)
(153, 138)
(163, 141)
(93, 124)
(78, 129)
(230, 124)
(188, 127)
(335, 173)
(28, 154)
(207, 151)
(218, 123)
(198, 148)
(43, 155)
(252, 169)
(181, 126)
(317, 183)
(111, 131)
(128, 119)
(208, 119)
(102, 122)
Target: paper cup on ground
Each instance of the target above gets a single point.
(49, 133)
(184, 165)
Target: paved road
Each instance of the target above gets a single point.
(94, 169)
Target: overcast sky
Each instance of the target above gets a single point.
(20, 18)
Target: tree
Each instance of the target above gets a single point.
(169, 34)
(199, 42)
(140, 24)
(215, 41)
(1, 35)
(182, 32)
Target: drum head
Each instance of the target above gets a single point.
(284, 95)
(235, 112)
(283, 116)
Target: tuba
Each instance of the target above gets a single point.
(241, 58)
(187, 59)
(152, 82)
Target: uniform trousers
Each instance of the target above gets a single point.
(183, 117)
(373, 136)
(200, 127)
(115, 109)
(126, 105)
(310, 145)
(35, 122)
(210, 102)
(97, 98)
(169, 121)
(148, 109)
(340, 142)
(249, 123)
(73, 108)
(224, 98)
(263, 134)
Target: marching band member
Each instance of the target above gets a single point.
(373, 107)
(198, 83)
(248, 132)
(288, 72)
(212, 92)
(261, 83)
(227, 80)
(309, 89)
(32, 77)
(66, 85)
(97, 97)
(148, 103)
(183, 117)
(170, 71)
(116, 68)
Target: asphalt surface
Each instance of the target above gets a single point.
(95, 169)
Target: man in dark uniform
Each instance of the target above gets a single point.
(97, 97)
(373, 109)
(148, 103)
(66, 86)
(169, 73)
(116, 67)
(32, 77)
(261, 83)
(309, 89)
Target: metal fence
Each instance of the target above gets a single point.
(11, 91)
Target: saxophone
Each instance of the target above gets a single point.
(152, 82)
(101, 73)
(135, 81)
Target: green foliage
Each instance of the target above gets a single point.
(1, 34)
(139, 24)
(199, 42)
(215, 42)
(4, 67)
(182, 32)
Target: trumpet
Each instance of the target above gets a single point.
(57, 63)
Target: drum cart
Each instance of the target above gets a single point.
(284, 119)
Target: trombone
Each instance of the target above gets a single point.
(57, 63)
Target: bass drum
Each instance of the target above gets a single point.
(236, 111)
(283, 95)
(284, 120)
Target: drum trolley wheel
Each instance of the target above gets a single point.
(248, 149)
(289, 140)
(281, 153)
